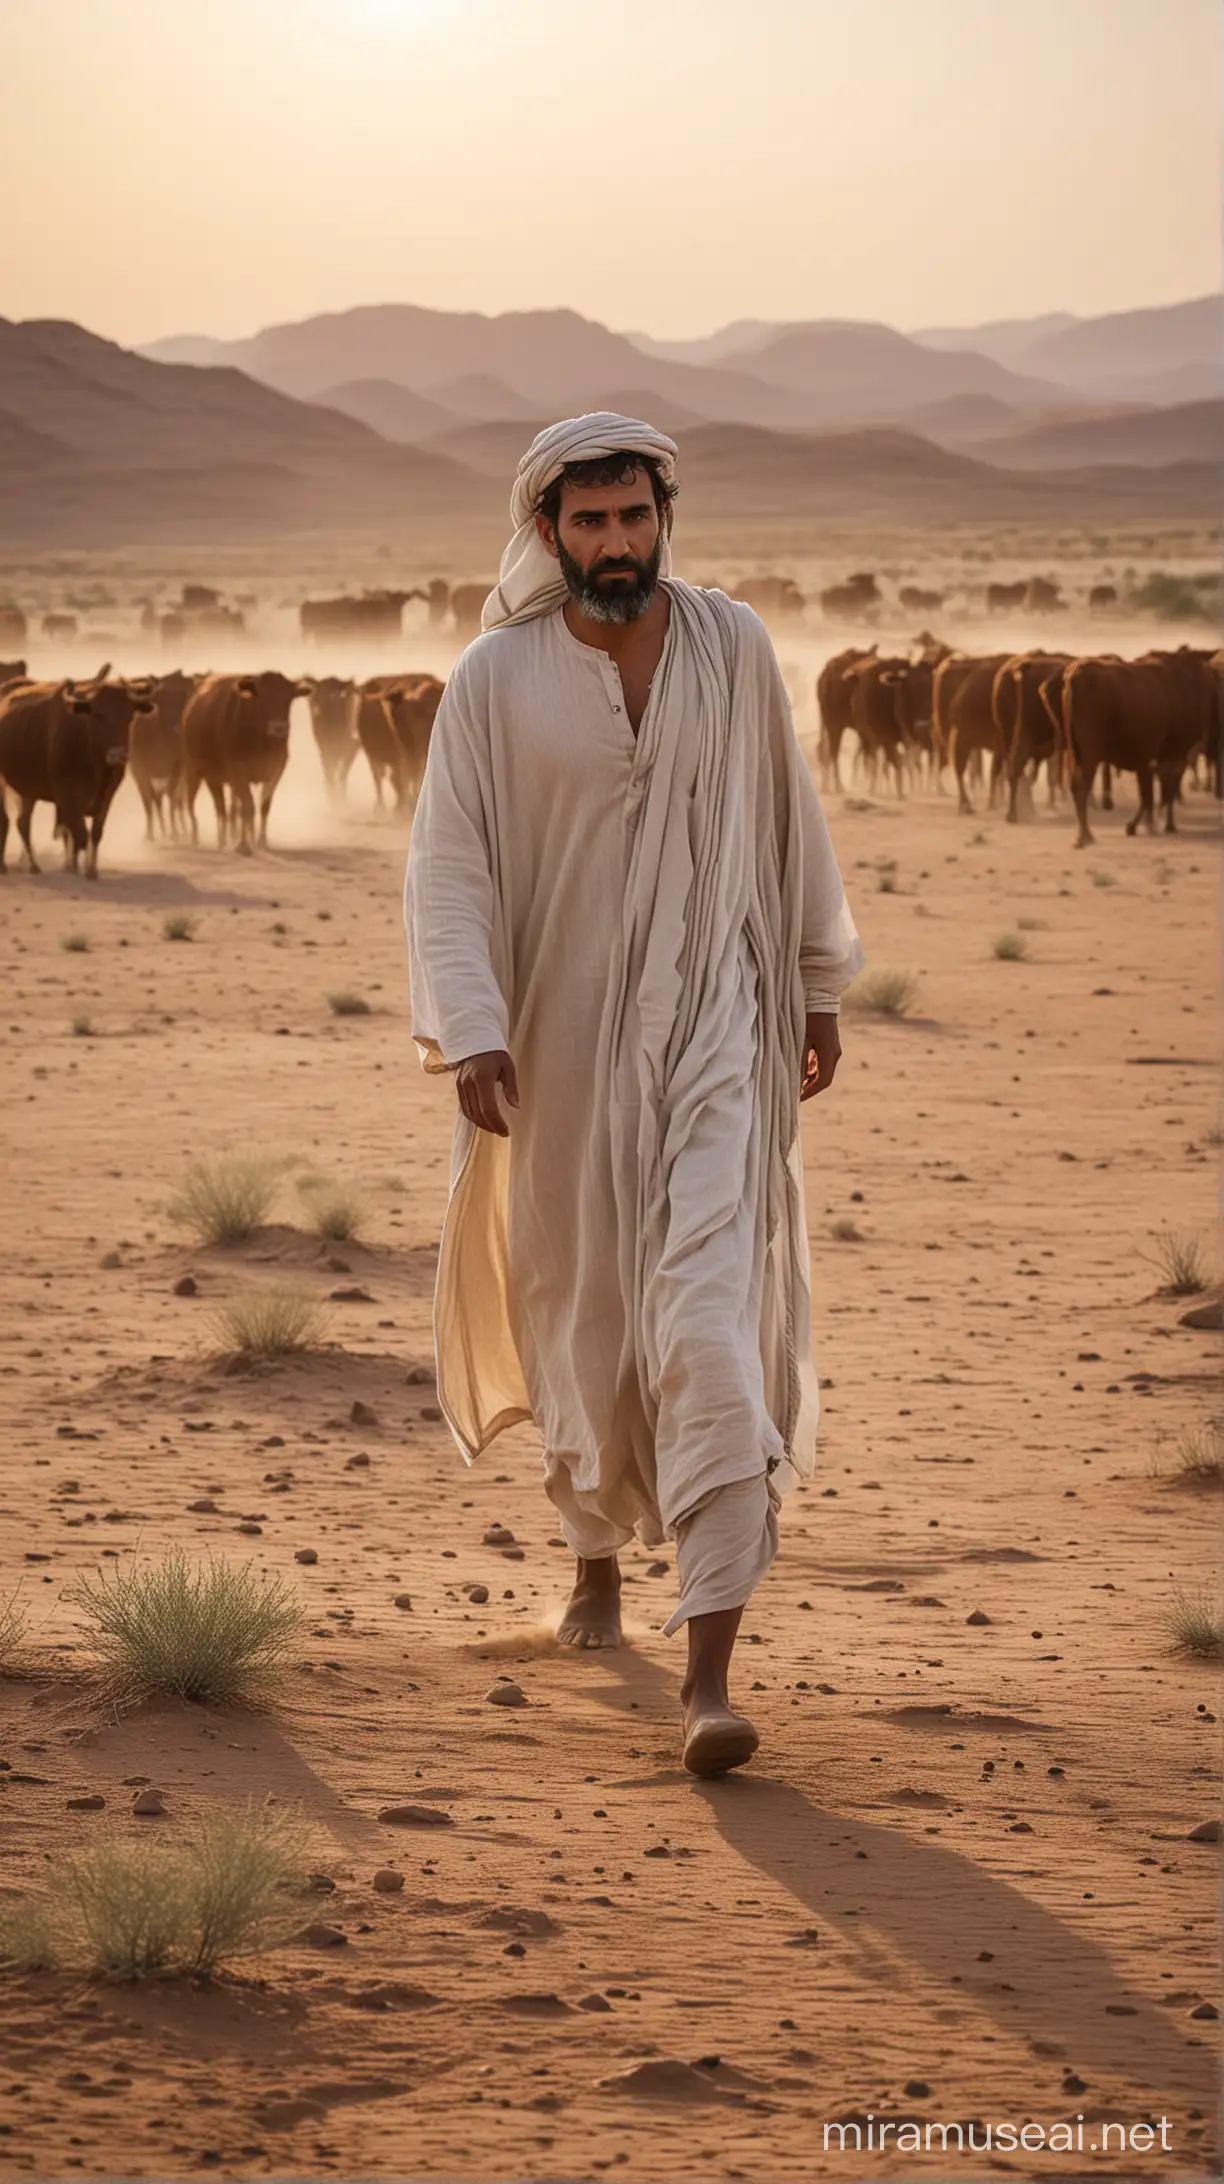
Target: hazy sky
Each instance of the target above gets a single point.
(217, 165)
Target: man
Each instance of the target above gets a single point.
(627, 937)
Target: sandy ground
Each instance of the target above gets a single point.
(971, 1899)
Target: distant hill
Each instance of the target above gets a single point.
(108, 446)
(479, 395)
(395, 412)
(556, 363)
(1008, 341)
(1170, 353)
(1190, 432)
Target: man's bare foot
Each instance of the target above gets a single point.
(592, 1617)
(716, 1738)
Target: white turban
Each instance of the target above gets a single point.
(531, 582)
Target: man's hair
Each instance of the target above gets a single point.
(615, 469)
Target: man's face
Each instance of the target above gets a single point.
(608, 541)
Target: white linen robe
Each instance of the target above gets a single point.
(644, 935)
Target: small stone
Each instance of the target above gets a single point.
(251, 1529)
(148, 1804)
(1073, 2083)
(1205, 2010)
(658, 1569)
(306, 1554)
(1207, 1316)
(205, 1507)
(431, 1413)
(978, 1616)
(514, 1949)
(498, 1535)
(1207, 1831)
(186, 1286)
(916, 2089)
(85, 1804)
(478, 1594)
(354, 1295)
(319, 1884)
(361, 1415)
(506, 1694)
(320, 1936)
(594, 2002)
(404, 1600)
(387, 1881)
(415, 1816)
(359, 1462)
(418, 1376)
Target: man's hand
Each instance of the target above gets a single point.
(821, 1054)
(476, 1081)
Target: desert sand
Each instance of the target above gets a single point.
(971, 1898)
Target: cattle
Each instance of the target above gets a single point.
(374, 618)
(962, 717)
(377, 736)
(1041, 596)
(67, 745)
(12, 671)
(14, 628)
(1144, 717)
(335, 733)
(857, 600)
(1027, 704)
(835, 697)
(155, 755)
(1001, 598)
(437, 594)
(917, 601)
(774, 598)
(410, 707)
(60, 626)
(236, 738)
(467, 603)
(878, 712)
(1102, 597)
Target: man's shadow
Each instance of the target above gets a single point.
(919, 1902)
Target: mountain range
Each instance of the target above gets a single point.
(410, 421)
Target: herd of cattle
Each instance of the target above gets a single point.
(1157, 717)
(69, 743)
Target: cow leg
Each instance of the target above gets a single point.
(24, 816)
(216, 790)
(4, 827)
(1145, 814)
(1081, 783)
(1107, 788)
(96, 826)
(243, 803)
(1170, 783)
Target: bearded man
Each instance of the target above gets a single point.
(627, 940)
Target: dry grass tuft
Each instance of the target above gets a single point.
(1103, 879)
(83, 1025)
(348, 1004)
(336, 1212)
(882, 993)
(226, 1199)
(276, 1319)
(180, 925)
(845, 1230)
(1180, 1260)
(76, 943)
(1199, 1454)
(209, 1632)
(131, 1910)
(1010, 948)
(12, 1632)
(1195, 1623)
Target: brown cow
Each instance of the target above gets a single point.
(66, 745)
(774, 598)
(14, 628)
(236, 735)
(332, 705)
(375, 617)
(917, 601)
(834, 695)
(1001, 598)
(879, 712)
(467, 602)
(1102, 597)
(63, 626)
(376, 735)
(410, 708)
(155, 754)
(857, 600)
(12, 671)
(1143, 716)
(962, 718)
(1026, 701)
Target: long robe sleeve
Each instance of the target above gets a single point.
(830, 952)
(458, 1005)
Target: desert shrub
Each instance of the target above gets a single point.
(1102, 878)
(882, 993)
(83, 1025)
(124, 1910)
(336, 1212)
(348, 1004)
(76, 943)
(1198, 1454)
(1195, 1623)
(845, 1230)
(180, 925)
(273, 1319)
(1009, 947)
(12, 1631)
(211, 1632)
(225, 1199)
(1171, 598)
(1180, 1260)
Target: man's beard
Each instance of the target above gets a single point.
(616, 600)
